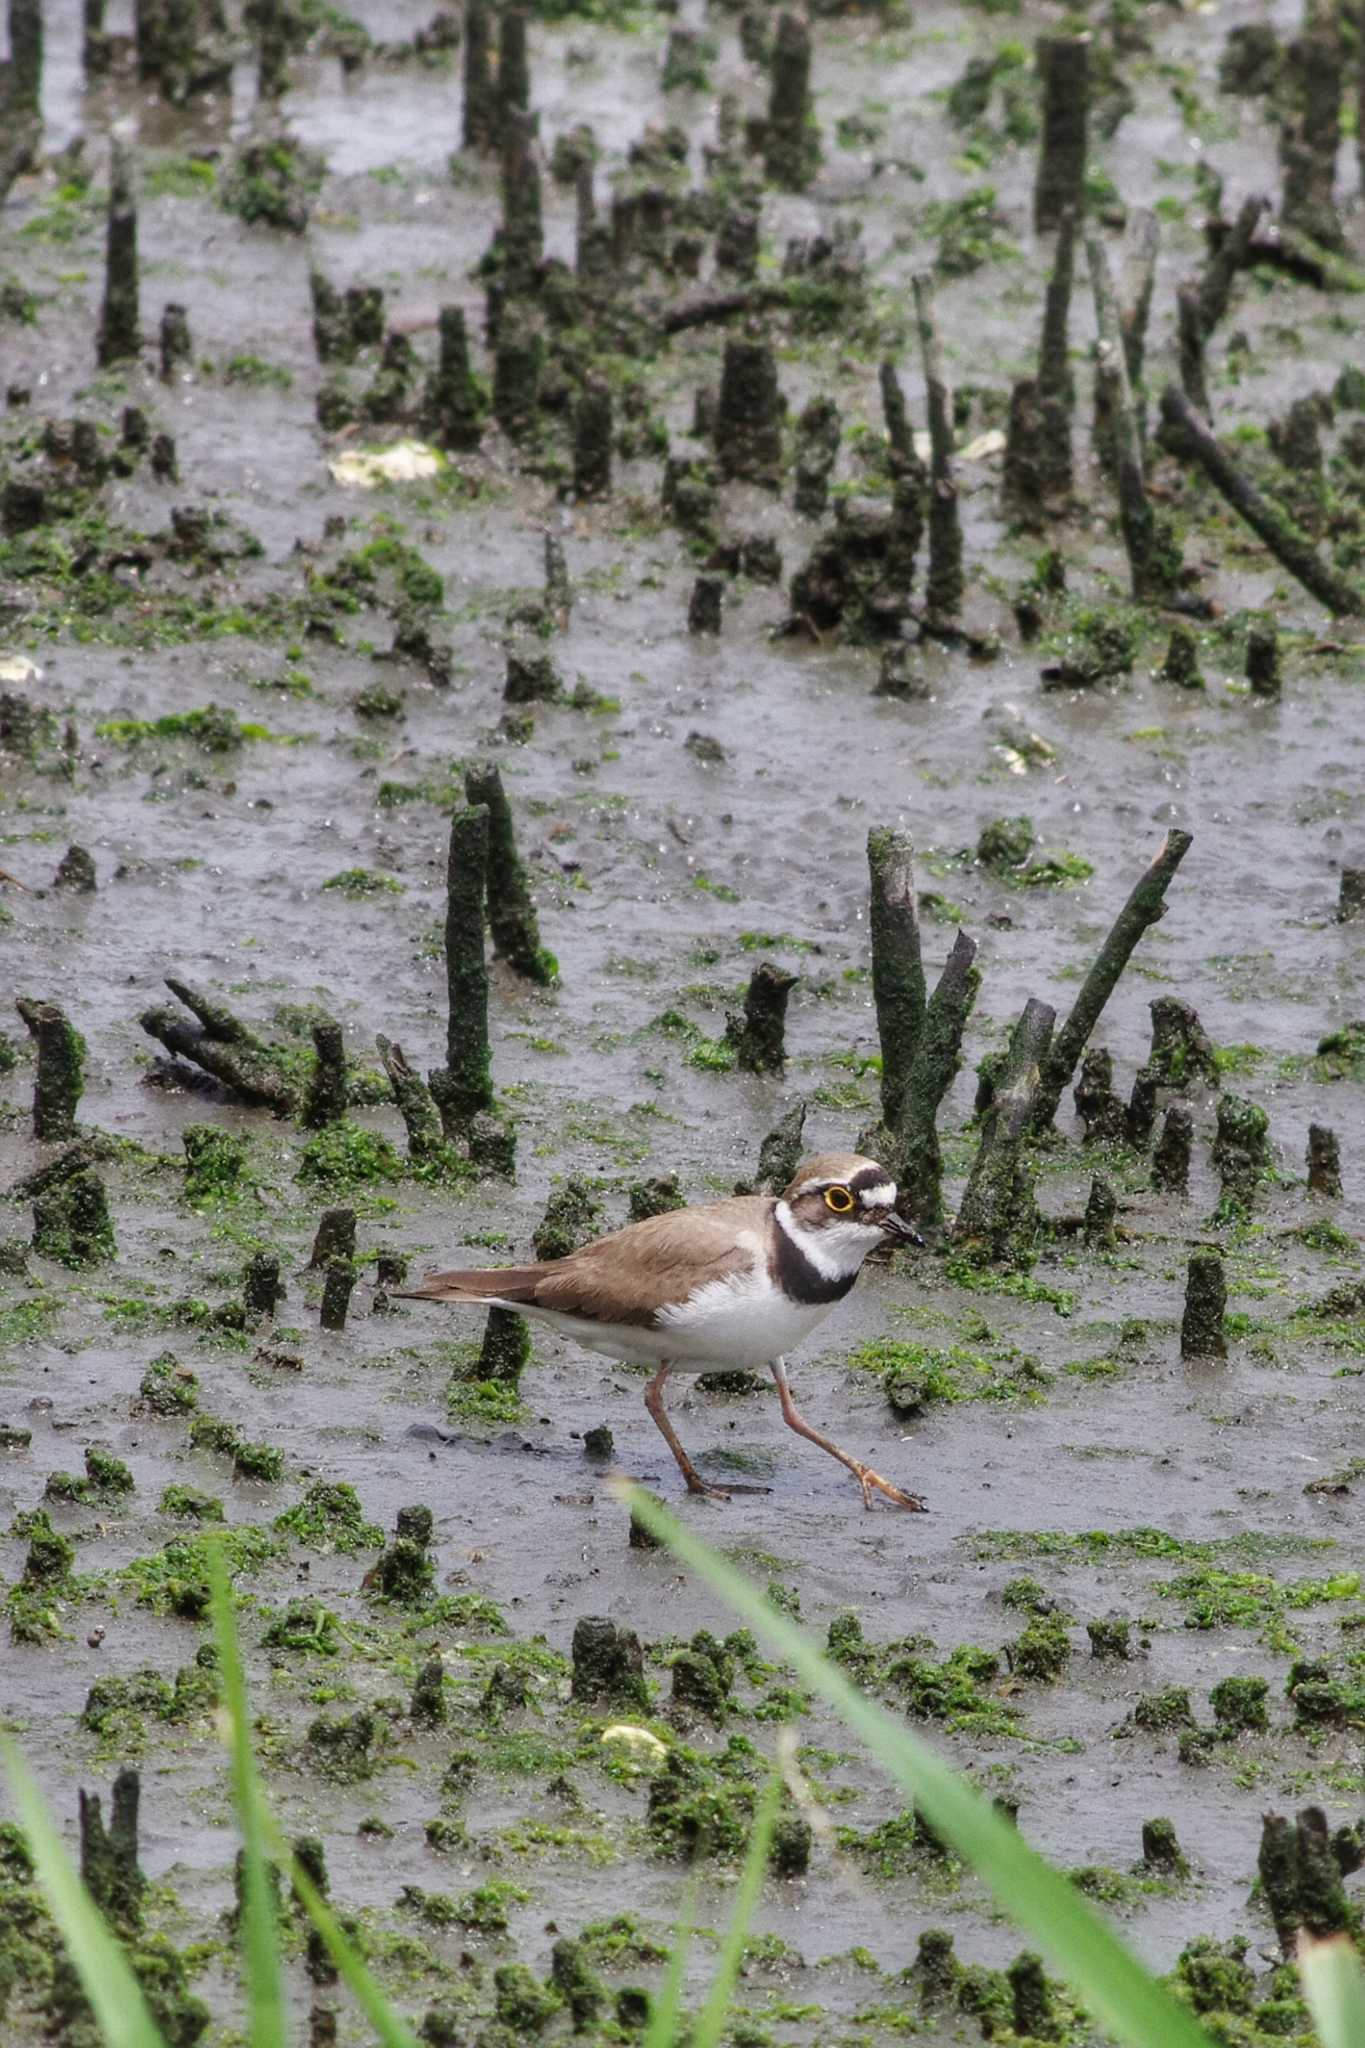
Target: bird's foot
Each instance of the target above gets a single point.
(868, 1479)
(696, 1484)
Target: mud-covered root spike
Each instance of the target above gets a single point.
(338, 1284)
(781, 1152)
(748, 431)
(943, 592)
(479, 125)
(119, 332)
(1263, 660)
(1145, 905)
(706, 605)
(998, 1218)
(514, 69)
(60, 1078)
(110, 1869)
(1064, 68)
(511, 913)
(593, 433)
(523, 231)
(1350, 895)
(24, 80)
(1190, 335)
(1324, 1162)
(1301, 1868)
(898, 988)
(1101, 1215)
(1023, 498)
(792, 135)
(174, 344)
(1310, 131)
(454, 404)
(506, 1347)
(1056, 386)
(817, 450)
(1206, 1300)
(325, 1101)
(1151, 571)
(918, 1163)
(1188, 437)
(1241, 1155)
(262, 1291)
(558, 588)
(414, 1101)
(333, 1239)
(759, 1035)
(1031, 1998)
(72, 1223)
(1171, 1159)
(464, 1086)
(273, 22)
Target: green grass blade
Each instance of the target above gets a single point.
(1334, 1986)
(106, 1978)
(666, 2010)
(711, 2025)
(1121, 1994)
(259, 1933)
(389, 2028)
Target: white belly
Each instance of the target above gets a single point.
(737, 1325)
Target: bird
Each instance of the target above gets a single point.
(733, 1285)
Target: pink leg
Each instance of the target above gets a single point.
(654, 1401)
(864, 1474)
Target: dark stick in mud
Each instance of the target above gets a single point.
(592, 440)
(1114, 400)
(223, 1046)
(792, 152)
(261, 1289)
(60, 1077)
(1190, 340)
(453, 405)
(512, 917)
(1171, 1159)
(943, 595)
(479, 128)
(758, 1036)
(25, 78)
(1145, 905)
(514, 71)
(272, 49)
(1135, 291)
(464, 1086)
(415, 1103)
(1056, 396)
(1064, 68)
(1232, 254)
(558, 588)
(898, 989)
(1206, 1300)
(997, 1218)
(325, 1102)
(1270, 522)
(334, 1237)
(109, 1860)
(336, 1293)
(119, 333)
(938, 1050)
(1324, 1162)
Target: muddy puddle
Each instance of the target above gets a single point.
(703, 806)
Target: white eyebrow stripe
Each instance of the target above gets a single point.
(880, 1197)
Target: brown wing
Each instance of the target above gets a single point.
(627, 1277)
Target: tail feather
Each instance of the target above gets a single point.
(507, 1283)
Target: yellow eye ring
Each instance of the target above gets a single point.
(840, 1200)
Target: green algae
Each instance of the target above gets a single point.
(330, 1518)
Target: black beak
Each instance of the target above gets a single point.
(896, 1226)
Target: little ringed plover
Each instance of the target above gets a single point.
(725, 1285)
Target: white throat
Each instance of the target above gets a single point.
(836, 1249)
